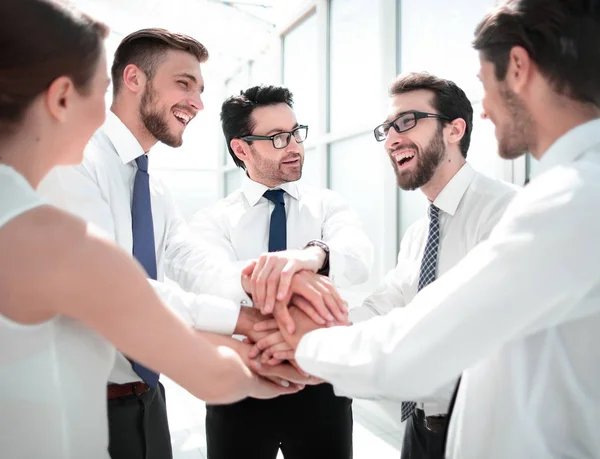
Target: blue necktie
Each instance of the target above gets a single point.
(426, 276)
(142, 229)
(277, 228)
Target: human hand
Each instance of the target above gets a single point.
(286, 372)
(323, 303)
(246, 324)
(269, 278)
(303, 325)
(265, 388)
(276, 376)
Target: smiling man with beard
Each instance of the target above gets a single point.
(426, 137)
(288, 228)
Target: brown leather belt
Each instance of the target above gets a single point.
(124, 390)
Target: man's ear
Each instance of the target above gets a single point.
(239, 148)
(519, 69)
(456, 130)
(58, 97)
(134, 78)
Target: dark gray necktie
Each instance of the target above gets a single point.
(142, 228)
(426, 276)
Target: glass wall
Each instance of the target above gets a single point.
(338, 59)
(300, 70)
(353, 65)
(356, 172)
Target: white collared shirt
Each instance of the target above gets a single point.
(236, 230)
(100, 191)
(470, 204)
(519, 316)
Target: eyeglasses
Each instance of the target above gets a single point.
(404, 122)
(282, 139)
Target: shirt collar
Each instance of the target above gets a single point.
(570, 146)
(253, 191)
(449, 198)
(125, 143)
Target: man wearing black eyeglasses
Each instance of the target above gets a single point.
(427, 136)
(285, 235)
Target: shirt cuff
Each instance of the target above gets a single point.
(233, 283)
(337, 266)
(217, 315)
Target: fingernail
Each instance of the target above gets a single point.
(257, 363)
(280, 296)
(284, 383)
(329, 316)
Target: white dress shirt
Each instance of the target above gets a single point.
(100, 190)
(470, 204)
(236, 230)
(520, 315)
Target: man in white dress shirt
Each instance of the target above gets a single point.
(427, 135)
(519, 315)
(157, 91)
(272, 212)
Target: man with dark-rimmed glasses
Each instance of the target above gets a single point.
(285, 233)
(426, 137)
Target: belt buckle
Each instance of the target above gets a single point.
(432, 427)
(134, 389)
(427, 425)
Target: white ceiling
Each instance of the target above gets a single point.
(232, 31)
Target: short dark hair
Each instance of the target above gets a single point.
(146, 47)
(236, 112)
(448, 99)
(561, 37)
(42, 40)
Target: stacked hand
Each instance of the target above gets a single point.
(275, 277)
(291, 299)
(286, 375)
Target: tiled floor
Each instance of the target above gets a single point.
(375, 433)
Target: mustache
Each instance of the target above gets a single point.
(404, 146)
(186, 109)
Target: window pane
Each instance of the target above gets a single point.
(300, 73)
(191, 190)
(439, 41)
(266, 69)
(311, 171)
(354, 64)
(233, 180)
(358, 177)
(483, 152)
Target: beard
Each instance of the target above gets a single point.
(155, 122)
(428, 161)
(515, 138)
(269, 171)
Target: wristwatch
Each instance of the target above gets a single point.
(324, 271)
